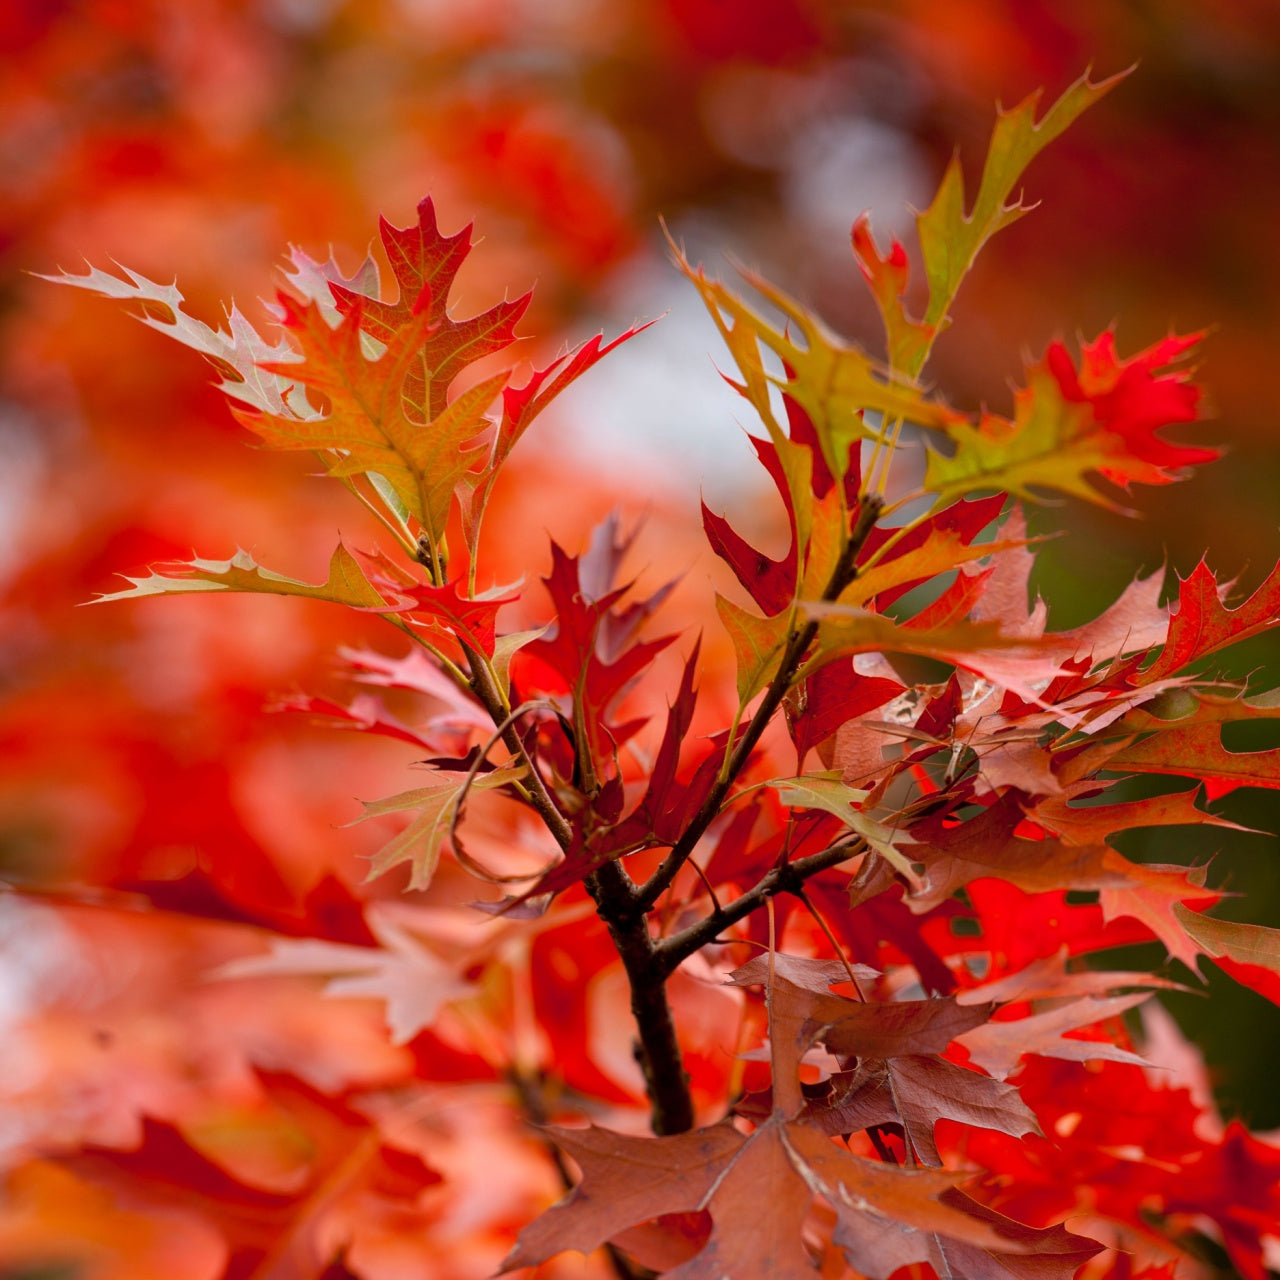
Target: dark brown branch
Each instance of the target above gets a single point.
(657, 1048)
(623, 906)
(785, 878)
(615, 896)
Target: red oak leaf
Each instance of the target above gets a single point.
(591, 646)
(1202, 624)
(1134, 399)
(1103, 420)
(425, 263)
(770, 582)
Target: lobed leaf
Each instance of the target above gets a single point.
(997, 1047)
(757, 1190)
(412, 981)
(591, 646)
(835, 384)
(365, 428)
(424, 263)
(951, 236)
(916, 1091)
(825, 791)
(346, 583)
(424, 839)
(758, 644)
(238, 353)
(1202, 624)
(1068, 426)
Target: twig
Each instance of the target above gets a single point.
(476, 868)
(657, 1048)
(831, 938)
(799, 642)
(491, 699)
(787, 878)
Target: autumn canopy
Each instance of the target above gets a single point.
(547, 885)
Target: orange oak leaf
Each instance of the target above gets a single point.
(363, 421)
(346, 582)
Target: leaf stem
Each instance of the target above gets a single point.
(447, 665)
(397, 530)
(484, 686)
(830, 937)
(454, 839)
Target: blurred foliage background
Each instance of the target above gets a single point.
(197, 139)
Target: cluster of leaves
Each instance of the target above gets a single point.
(922, 842)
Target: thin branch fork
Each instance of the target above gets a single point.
(788, 877)
(539, 797)
(649, 962)
(845, 571)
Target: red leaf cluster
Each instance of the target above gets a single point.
(885, 831)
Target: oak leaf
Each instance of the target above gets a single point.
(592, 646)
(424, 263)
(1202, 624)
(401, 970)
(915, 1091)
(238, 353)
(1068, 425)
(425, 838)
(951, 236)
(997, 1047)
(345, 584)
(367, 424)
(843, 392)
(758, 1188)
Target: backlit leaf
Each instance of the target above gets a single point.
(425, 838)
(951, 235)
(1068, 426)
(346, 583)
